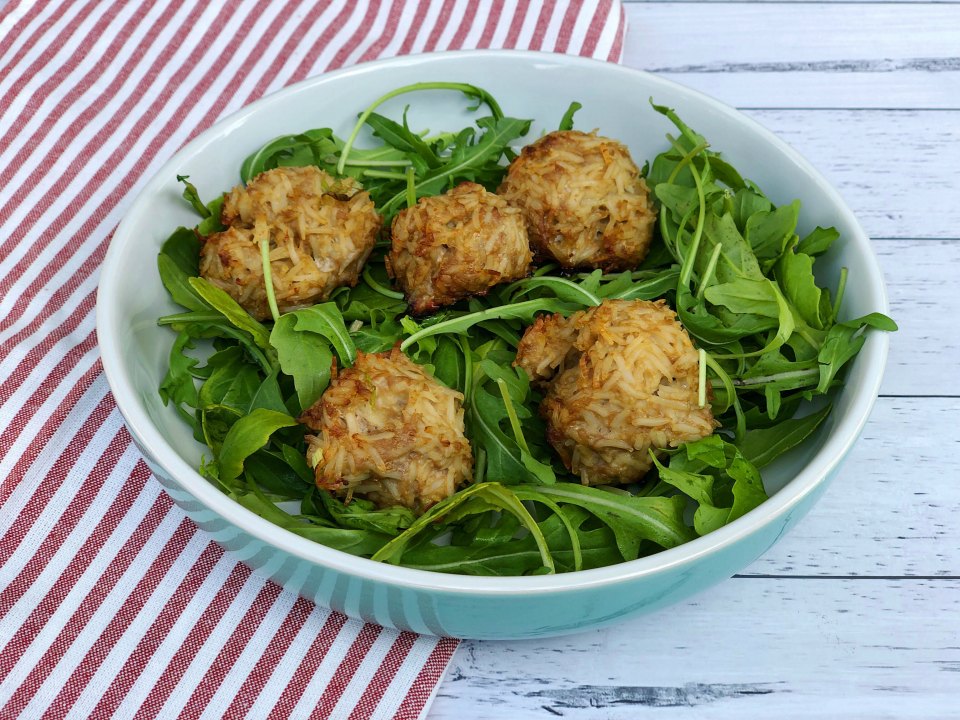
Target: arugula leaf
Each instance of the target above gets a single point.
(271, 472)
(234, 314)
(566, 122)
(191, 195)
(467, 161)
(794, 272)
(178, 384)
(304, 356)
(247, 435)
(268, 396)
(402, 138)
(768, 232)
(475, 499)
(521, 556)
(762, 446)
(843, 342)
(524, 311)
(325, 320)
(632, 519)
(818, 241)
(356, 542)
(211, 223)
(177, 262)
(362, 514)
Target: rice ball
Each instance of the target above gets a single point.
(583, 200)
(387, 431)
(455, 245)
(620, 379)
(320, 229)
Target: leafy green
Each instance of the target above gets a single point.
(232, 312)
(177, 262)
(191, 195)
(249, 434)
(566, 122)
(747, 289)
(736, 265)
(761, 446)
(178, 384)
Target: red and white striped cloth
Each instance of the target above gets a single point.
(112, 604)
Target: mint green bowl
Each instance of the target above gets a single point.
(541, 86)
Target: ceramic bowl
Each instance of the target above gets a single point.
(616, 101)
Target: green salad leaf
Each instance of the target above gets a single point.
(739, 268)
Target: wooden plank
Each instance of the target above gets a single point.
(780, 2)
(828, 55)
(922, 286)
(747, 648)
(890, 166)
(891, 509)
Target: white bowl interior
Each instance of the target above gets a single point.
(615, 101)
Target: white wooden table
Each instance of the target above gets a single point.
(857, 612)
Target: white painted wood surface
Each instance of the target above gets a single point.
(857, 612)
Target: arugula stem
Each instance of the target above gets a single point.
(480, 467)
(411, 188)
(385, 174)
(225, 330)
(544, 270)
(464, 322)
(702, 377)
(841, 286)
(379, 163)
(377, 287)
(674, 245)
(708, 272)
(268, 278)
(191, 316)
(731, 392)
(686, 269)
(469, 90)
(522, 287)
(512, 415)
(787, 375)
(571, 531)
(467, 370)
(686, 159)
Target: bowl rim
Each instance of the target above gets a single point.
(155, 446)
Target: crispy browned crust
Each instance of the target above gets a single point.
(583, 200)
(387, 431)
(620, 379)
(320, 233)
(452, 246)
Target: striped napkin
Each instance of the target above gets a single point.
(112, 604)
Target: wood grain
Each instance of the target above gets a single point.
(892, 168)
(800, 54)
(853, 614)
(891, 509)
(750, 648)
(922, 285)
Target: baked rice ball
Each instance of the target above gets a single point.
(619, 379)
(451, 246)
(583, 200)
(387, 431)
(321, 231)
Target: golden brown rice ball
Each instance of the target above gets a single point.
(321, 231)
(389, 432)
(620, 379)
(455, 245)
(583, 200)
